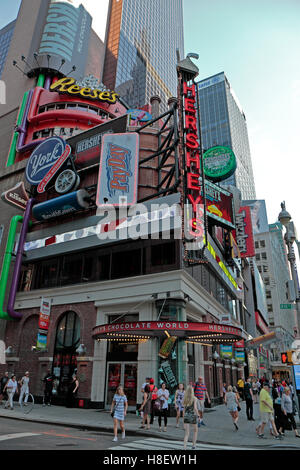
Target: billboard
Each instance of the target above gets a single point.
(61, 37)
(219, 204)
(258, 215)
(297, 376)
(219, 163)
(118, 172)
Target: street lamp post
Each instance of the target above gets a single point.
(289, 238)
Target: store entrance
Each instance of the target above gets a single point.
(125, 374)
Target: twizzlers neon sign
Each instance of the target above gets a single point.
(193, 167)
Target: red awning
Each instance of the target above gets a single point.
(209, 333)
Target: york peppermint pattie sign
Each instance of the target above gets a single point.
(43, 158)
(219, 163)
(118, 172)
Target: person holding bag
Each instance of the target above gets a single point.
(232, 403)
(190, 406)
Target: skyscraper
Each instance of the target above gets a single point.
(5, 39)
(223, 122)
(141, 41)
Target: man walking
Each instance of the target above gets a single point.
(266, 412)
(24, 384)
(3, 382)
(248, 394)
(48, 381)
(200, 392)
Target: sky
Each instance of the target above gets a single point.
(256, 43)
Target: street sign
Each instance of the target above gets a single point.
(286, 306)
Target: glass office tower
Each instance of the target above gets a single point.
(141, 41)
(223, 122)
(5, 39)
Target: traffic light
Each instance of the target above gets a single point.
(284, 358)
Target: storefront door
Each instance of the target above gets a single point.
(125, 374)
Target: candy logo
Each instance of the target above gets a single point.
(118, 169)
(43, 158)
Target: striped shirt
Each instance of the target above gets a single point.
(199, 391)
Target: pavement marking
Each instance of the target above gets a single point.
(19, 435)
(159, 444)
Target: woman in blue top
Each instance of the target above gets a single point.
(118, 410)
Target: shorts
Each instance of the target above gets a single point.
(200, 405)
(266, 416)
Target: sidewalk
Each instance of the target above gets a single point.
(219, 429)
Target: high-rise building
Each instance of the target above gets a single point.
(5, 39)
(141, 41)
(223, 122)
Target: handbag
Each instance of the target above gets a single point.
(189, 415)
(157, 405)
(113, 411)
(239, 408)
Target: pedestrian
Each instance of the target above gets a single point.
(72, 391)
(146, 407)
(147, 382)
(118, 411)
(266, 411)
(287, 409)
(24, 384)
(255, 391)
(178, 399)
(48, 381)
(153, 390)
(248, 395)
(224, 391)
(3, 382)
(200, 392)
(279, 416)
(11, 388)
(240, 386)
(232, 403)
(163, 396)
(190, 405)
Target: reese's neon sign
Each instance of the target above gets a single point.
(68, 85)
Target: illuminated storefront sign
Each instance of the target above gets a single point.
(219, 163)
(118, 173)
(44, 320)
(192, 159)
(226, 351)
(68, 85)
(243, 232)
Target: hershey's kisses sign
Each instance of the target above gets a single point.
(43, 158)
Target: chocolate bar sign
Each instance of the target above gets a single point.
(16, 196)
(43, 158)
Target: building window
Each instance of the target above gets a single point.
(262, 243)
(256, 245)
(270, 308)
(268, 294)
(264, 255)
(257, 256)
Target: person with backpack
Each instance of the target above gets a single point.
(146, 407)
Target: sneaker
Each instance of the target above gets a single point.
(193, 447)
(261, 436)
(115, 439)
(165, 429)
(202, 423)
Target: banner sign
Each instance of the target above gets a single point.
(43, 158)
(16, 196)
(244, 233)
(44, 319)
(219, 163)
(226, 351)
(45, 314)
(118, 172)
(239, 355)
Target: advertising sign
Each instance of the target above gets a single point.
(118, 172)
(258, 215)
(63, 205)
(169, 374)
(226, 351)
(41, 343)
(16, 196)
(239, 355)
(244, 233)
(219, 204)
(45, 314)
(167, 347)
(219, 163)
(61, 37)
(297, 376)
(43, 158)
(69, 86)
